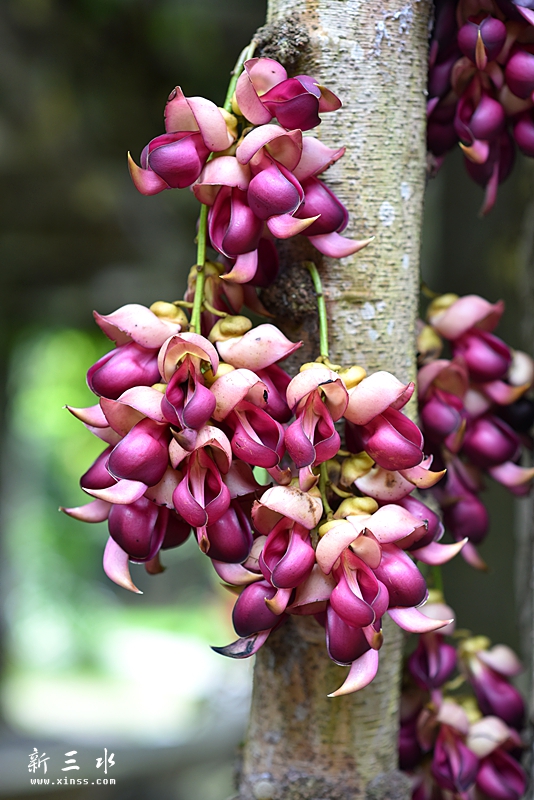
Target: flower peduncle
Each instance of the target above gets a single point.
(321, 310)
(201, 273)
(245, 54)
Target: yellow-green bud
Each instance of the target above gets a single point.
(439, 304)
(352, 376)
(228, 328)
(354, 506)
(354, 467)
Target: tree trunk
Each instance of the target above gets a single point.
(300, 743)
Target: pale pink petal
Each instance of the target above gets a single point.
(315, 589)
(178, 114)
(412, 620)
(116, 566)
(290, 502)
(284, 146)
(134, 322)
(361, 673)
(122, 418)
(258, 348)
(121, 493)
(521, 370)
(392, 522)
(436, 554)
(475, 403)
(210, 436)
(316, 157)
(284, 226)
(367, 548)
(278, 603)
(511, 475)
(335, 540)
(211, 124)
(374, 395)
(146, 181)
(467, 312)
(96, 511)
(177, 453)
(235, 574)
(161, 493)
(478, 152)
(335, 246)
(249, 103)
(421, 476)
(221, 171)
(449, 375)
(306, 381)
(265, 73)
(145, 400)
(486, 734)
(473, 558)
(235, 386)
(502, 393)
(452, 714)
(92, 416)
(107, 435)
(244, 269)
(182, 344)
(502, 659)
(382, 485)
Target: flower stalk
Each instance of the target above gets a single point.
(321, 309)
(201, 274)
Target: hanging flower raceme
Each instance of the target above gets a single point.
(489, 670)
(318, 399)
(465, 403)
(264, 91)
(194, 128)
(376, 425)
(481, 82)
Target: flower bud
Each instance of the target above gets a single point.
(170, 312)
(229, 327)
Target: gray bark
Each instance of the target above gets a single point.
(300, 743)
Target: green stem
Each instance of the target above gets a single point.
(201, 273)
(321, 308)
(323, 483)
(245, 54)
(437, 578)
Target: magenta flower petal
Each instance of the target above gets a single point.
(138, 528)
(116, 566)
(123, 368)
(335, 246)
(393, 441)
(146, 181)
(230, 537)
(344, 643)
(142, 455)
(250, 613)
(404, 582)
(351, 608)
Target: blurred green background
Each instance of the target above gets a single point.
(85, 664)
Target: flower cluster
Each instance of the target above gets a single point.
(481, 85)
(452, 741)
(474, 410)
(253, 168)
(186, 419)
